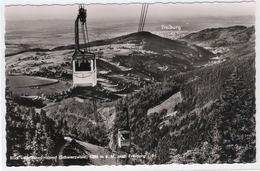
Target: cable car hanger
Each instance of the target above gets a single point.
(83, 61)
(82, 18)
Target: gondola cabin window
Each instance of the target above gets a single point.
(84, 73)
(83, 65)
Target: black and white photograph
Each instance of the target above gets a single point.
(129, 84)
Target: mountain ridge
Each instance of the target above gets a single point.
(222, 36)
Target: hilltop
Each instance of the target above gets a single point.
(150, 49)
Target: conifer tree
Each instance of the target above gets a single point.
(235, 122)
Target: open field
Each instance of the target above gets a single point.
(32, 85)
(168, 104)
(29, 81)
(32, 61)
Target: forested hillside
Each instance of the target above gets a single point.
(32, 138)
(78, 120)
(214, 123)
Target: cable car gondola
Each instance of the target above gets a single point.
(123, 137)
(84, 71)
(123, 134)
(83, 61)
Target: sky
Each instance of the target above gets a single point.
(114, 11)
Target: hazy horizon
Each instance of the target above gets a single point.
(130, 11)
(51, 26)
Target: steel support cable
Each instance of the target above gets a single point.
(141, 16)
(141, 25)
(77, 50)
(81, 6)
(84, 35)
(146, 9)
(140, 19)
(87, 37)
